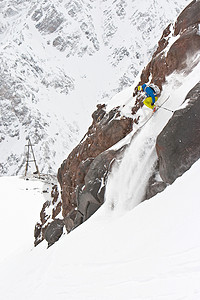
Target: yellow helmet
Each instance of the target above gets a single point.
(139, 88)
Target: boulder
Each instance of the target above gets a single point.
(54, 231)
(69, 220)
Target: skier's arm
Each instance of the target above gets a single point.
(151, 94)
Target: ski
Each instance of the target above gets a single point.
(156, 107)
(162, 103)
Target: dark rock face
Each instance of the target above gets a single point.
(81, 174)
(92, 196)
(69, 220)
(178, 145)
(54, 231)
(155, 184)
(155, 188)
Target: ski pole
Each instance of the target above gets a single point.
(165, 108)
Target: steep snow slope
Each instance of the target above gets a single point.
(58, 59)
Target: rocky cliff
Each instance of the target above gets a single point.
(83, 175)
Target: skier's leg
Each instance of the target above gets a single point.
(148, 102)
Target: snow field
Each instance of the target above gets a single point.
(21, 203)
(150, 252)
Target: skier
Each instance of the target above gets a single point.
(151, 92)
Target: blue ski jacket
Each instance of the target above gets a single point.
(149, 92)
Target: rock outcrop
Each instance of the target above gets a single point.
(180, 55)
(83, 174)
(178, 145)
(50, 210)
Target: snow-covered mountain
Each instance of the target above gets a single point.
(59, 59)
(130, 248)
